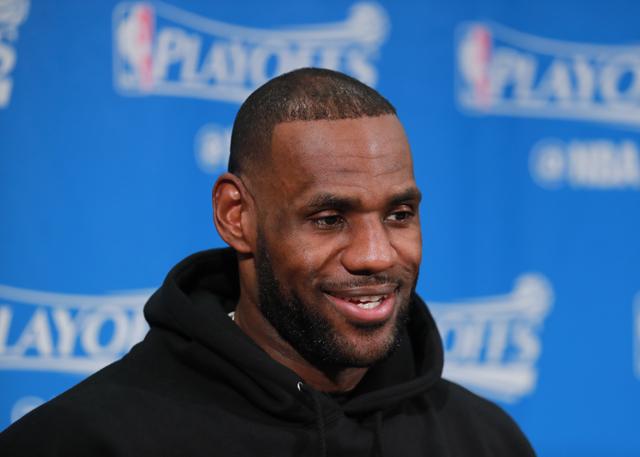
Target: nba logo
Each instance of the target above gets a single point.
(135, 29)
(474, 64)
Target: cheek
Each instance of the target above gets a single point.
(409, 248)
(308, 261)
(296, 256)
(296, 260)
(301, 251)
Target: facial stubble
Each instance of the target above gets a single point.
(310, 333)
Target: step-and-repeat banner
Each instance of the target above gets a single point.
(524, 120)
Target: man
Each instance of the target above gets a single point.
(306, 338)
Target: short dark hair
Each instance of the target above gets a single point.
(305, 94)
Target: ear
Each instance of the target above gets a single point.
(234, 213)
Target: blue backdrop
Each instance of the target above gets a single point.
(524, 120)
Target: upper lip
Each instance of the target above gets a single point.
(365, 291)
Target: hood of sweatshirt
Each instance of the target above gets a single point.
(193, 305)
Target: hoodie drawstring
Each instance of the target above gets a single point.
(317, 406)
(320, 425)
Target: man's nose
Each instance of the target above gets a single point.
(370, 250)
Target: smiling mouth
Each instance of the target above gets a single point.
(365, 305)
(365, 302)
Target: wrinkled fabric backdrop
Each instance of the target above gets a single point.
(524, 121)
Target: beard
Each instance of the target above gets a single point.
(311, 334)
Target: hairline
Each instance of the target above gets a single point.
(249, 168)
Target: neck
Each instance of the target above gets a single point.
(325, 379)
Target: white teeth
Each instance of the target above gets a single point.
(366, 301)
(369, 298)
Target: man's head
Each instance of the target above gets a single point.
(322, 206)
(307, 94)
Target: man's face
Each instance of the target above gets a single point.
(339, 241)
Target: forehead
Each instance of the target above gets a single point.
(352, 155)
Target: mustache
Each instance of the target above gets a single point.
(381, 279)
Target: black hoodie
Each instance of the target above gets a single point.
(198, 386)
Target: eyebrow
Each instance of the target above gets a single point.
(411, 194)
(327, 200)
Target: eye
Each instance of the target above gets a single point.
(400, 216)
(328, 222)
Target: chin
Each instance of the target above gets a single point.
(368, 346)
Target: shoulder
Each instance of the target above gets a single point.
(132, 407)
(479, 421)
(81, 421)
(55, 428)
(95, 417)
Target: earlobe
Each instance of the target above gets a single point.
(232, 212)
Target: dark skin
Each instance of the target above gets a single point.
(337, 203)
